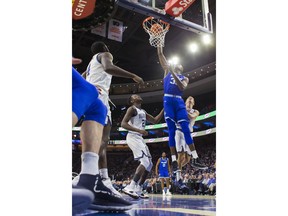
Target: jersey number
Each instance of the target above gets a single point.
(172, 81)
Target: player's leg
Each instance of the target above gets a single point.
(148, 166)
(170, 118)
(168, 193)
(181, 158)
(102, 153)
(131, 188)
(172, 145)
(140, 152)
(186, 159)
(162, 186)
(103, 167)
(91, 136)
(183, 120)
(81, 100)
(193, 157)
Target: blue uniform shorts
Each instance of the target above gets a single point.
(85, 100)
(164, 174)
(175, 109)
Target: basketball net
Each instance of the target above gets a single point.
(157, 30)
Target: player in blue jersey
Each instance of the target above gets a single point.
(174, 107)
(90, 187)
(163, 165)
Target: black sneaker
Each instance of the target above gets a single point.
(198, 164)
(104, 199)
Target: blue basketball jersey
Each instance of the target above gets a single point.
(170, 86)
(163, 166)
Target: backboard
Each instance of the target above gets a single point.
(195, 18)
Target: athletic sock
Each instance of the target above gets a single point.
(132, 184)
(104, 173)
(178, 175)
(194, 154)
(173, 157)
(89, 163)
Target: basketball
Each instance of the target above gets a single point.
(156, 29)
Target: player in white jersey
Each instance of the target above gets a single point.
(99, 73)
(183, 150)
(134, 121)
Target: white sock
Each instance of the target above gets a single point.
(194, 154)
(132, 184)
(104, 173)
(89, 163)
(167, 191)
(178, 174)
(173, 157)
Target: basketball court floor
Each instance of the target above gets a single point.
(158, 205)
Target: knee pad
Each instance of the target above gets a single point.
(147, 163)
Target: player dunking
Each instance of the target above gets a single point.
(174, 106)
(163, 165)
(99, 73)
(85, 101)
(184, 152)
(134, 121)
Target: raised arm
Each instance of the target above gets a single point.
(181, 84)
(156, 119)
(106, 60)
(162, 59)
(193, 115)
(131, 112)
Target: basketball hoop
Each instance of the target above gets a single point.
(157, 30)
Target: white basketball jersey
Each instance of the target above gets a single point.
(192, 122)
(138, 121)
(97, 76)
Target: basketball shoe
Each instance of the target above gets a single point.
(104, 198)
(107, 182)
(195, 162)
(139, 191)
(130, 191)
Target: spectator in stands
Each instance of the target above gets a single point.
(211, 185)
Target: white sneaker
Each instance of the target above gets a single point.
(164, 194)
(139, 191)
(130, 191)
(75, 180)
(107, 182)
(168, 193)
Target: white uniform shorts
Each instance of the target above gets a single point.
(105, 99)
(138, 146)
(181, 145)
